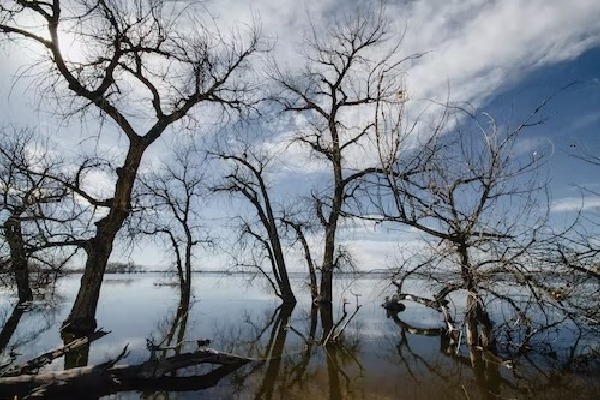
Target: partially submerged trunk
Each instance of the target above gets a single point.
(285, 287)
(478, 325)
(254, 188)
(32, 366)
(326, 292)
(267, 217)
(18, 257)
(82, 319)
(312, 274)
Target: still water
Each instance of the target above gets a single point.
(369, 356)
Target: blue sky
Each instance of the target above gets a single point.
(504, 57)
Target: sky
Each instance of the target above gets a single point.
(503, 57)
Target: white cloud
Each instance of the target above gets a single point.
(576, 203)
(476, 48)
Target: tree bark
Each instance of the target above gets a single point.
(18, 257)
(326, 311)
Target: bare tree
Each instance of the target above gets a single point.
(169, 200)
(142, 65)
(480, 203)
(352, 64)
(39, 212)
(248, 177)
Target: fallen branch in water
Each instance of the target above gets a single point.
(439, 304)
(108, 378)
(32, 366)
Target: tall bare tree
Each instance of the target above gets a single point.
(352, 64)
(143, 66)
(248, 175)
(170, 199)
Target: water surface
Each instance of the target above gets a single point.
(369, 355)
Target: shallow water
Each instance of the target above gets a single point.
(374, 357)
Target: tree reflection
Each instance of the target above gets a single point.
(13, 340)
(496, 371)
(172, 340)
(274, 352)
(299, 360)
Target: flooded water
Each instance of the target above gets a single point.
(368, 355)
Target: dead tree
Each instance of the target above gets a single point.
(479, 202)
(343, 78)
(168, 203)
(160, 60)
(41, 213)
(247, 176)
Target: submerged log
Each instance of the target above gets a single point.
(33, 365)
(394, 305)
(108, 378)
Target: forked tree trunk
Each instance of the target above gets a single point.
(312, 275)
(270, 224)
(18, 257)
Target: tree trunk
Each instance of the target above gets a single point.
(326, 292)
(308, 258)
(477, 322)
(334, 215)
(82, 319)
(18, 257)
(326, 310)
(285, 287)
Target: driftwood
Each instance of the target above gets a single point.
(94, 381)
(440, 304)
(33, 365)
